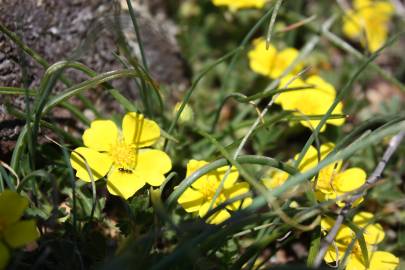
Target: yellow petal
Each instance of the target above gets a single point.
(349, 180)
(213, 177)
(217, 217)
(234, 191)
(194, 165)
(139, 131)
(376, 35)
(288, 99)
(124, 184)
(238, 4)
(379, 260)
(352, 26)
(337, 110)
(204, 208)
(12, 206)
(4, 256)
(247, 202)
(321, 85)
(382, 260)
(385, 8)
(314, 100)
(21, 233)
(152, 165)
(359, 4)
(262, 60)
(310, 159)
(101, 135)
(99, 163)
(191, 200)
(344, 234)
(327, 223)
(283, 60)
(363, 218)
(219, 174)
(373, 232)
(334, 253)
(277, 179)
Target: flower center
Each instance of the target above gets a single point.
(357, 249)
(209, 190)
(124, 156)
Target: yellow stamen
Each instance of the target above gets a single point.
(124, 155)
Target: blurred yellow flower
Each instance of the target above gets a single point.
(270, 62)
(332, 181)
(186, 115)
(368, 21)
(121, 155)
(238, 4)
(14, 233)
(373, 235)
(276, 177)
(315, 99)
(198, 197)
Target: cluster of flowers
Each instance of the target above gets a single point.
(129, 165)
(14, 232)
(332, 183)
(346, 239)
(367, 20)
(310, 97)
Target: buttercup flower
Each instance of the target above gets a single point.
(270, 62)
(198, 197)
(332, 181)
(14, 233)
(278, 177)
(315, 100)
(373, 235)
(238, 4)
(369, 22)
(121, 155)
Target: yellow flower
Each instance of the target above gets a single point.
(121, 155)
(332, 181)
(270, 62)
(369, 22)
(315, 100)
(198, 197)
(238, 4)
(278, 177)
(373, 235)
(14, 233)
